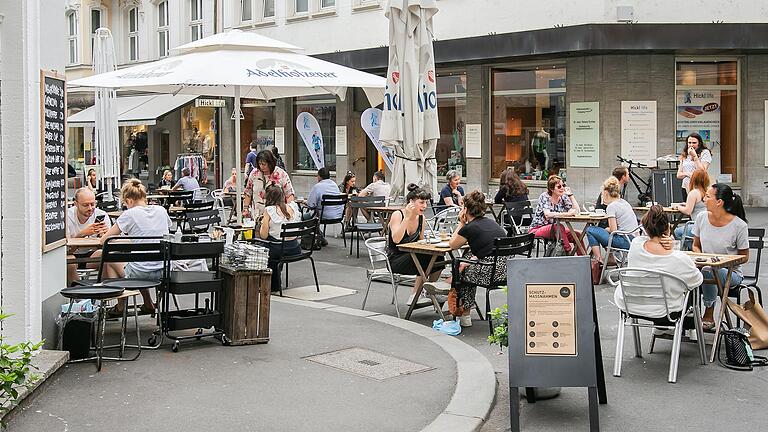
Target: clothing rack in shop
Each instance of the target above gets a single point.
(196, 162)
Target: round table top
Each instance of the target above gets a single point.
(92, 292)
(130, 283)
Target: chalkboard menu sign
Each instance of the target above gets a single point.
(53, 132)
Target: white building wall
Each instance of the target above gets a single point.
(31, 40)
(354, 25)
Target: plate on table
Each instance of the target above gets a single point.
(442, 244)
(596, 214)
(433, 240)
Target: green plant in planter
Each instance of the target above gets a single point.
(500, 317)
(15, 369)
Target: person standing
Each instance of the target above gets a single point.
(250, 159)
(695, 156)
(279, 159)
(267, 173)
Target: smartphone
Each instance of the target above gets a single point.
(99, 218)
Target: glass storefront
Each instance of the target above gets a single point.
(324, 110)
(135, 145)
(258, 125)
(452, 112)
(707, 95)
(528, 117)
(199, 137)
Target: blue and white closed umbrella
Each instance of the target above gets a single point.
(409, 120)
(107, 144)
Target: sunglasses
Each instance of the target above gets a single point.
(559, 186)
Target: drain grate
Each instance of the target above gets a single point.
(368, 363)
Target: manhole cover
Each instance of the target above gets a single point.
(367, 363)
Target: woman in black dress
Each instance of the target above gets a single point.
(407, 226)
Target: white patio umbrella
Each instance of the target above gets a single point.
(240, 64)
(409, 120)
(106, 146)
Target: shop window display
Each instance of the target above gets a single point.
(258, 125)
(324, 110)
(529, 129)
(707, 104)
(198, 137)
(135, 144)
(452, 112)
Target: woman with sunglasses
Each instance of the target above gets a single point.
(558, 200)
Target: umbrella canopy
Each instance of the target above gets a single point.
(239, 64)
(106, 146)
(409, 120)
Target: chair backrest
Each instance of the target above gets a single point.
(125, 249)
(447, 219)
(377, 252)
(357, 202)
(201, 220)
(185, 197)
(521, 244)
(300, 229)
(107, 206)
(756, 242)
(687, 235)
(520, 215)
(329, 200)
(647, 288)
(216, 193)
(197, 206)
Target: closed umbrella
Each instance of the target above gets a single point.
(240, 64)
(106, 145)
(409, 120)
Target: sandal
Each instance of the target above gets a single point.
(708, 326)
(114, 312)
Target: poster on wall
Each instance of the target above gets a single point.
(584, 135)
(371, 123)
(699, 111)
(638, 131)
(310, 133)
(474, 139)
(53, 154)
(280, 139)
(341, 140)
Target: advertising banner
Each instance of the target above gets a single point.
(310, 133)
(371, 123)
(699, 111)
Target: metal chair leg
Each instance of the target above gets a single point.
(314, 273)
(394, 295)
(367, 290)
(488, 310)
(676, 342)
(699, 330)
(64, 322)
(619, 347)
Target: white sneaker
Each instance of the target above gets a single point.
(465, 320)
(422, 300)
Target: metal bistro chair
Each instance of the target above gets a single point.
(371, 226)
(199, 222)
(517, 217)
(184, 197)
(503, 249)
(686, 242)
(756, 245)
(192, 207)
(447, 219)
(296, 230)
(642, 287)
(619, 254)
(380, 268)
(327, 201)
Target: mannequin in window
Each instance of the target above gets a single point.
(539, 144)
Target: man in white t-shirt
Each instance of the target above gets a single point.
(85, 220)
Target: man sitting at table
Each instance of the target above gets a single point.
(82, 222)
(378, 187)
(324, 186)
(187, 182)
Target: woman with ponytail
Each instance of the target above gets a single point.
(722, 229)
(655, 252)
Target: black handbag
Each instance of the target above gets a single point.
(738, 351)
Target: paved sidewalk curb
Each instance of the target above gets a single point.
(475, 391)
(47, 362)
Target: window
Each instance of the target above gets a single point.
(324, 110)
(196, 19)
(452, 112)
(95, 24)
(258, 125)
(707, 94)
(528, 120)
(302, 6)
(163, 43)
(327, 3)
(72, 32)
(246, 10)
(269, 8)
(133, 34)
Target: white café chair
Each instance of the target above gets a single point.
(446, 219)
(643, 287)
(619, 254)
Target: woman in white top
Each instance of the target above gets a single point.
(722, 229)
(140, 219)
(622, 218)
(654, 252)
(695, 156)
(276, 214)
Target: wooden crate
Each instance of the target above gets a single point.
(245, 305)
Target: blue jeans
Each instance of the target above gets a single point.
(709, 291)
(599, 236)
(680, 232)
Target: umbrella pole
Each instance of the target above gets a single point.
(236, 117)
